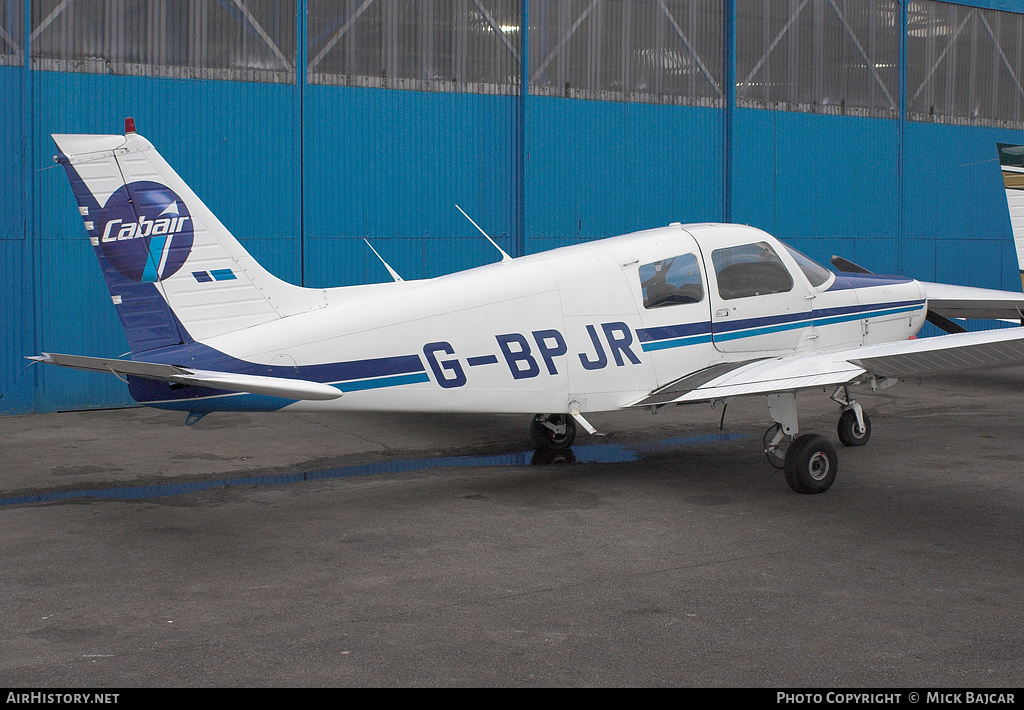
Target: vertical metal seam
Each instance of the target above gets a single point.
(524, 92)
(729, 50)
(300, 81)
(28, 160)
(901, 172)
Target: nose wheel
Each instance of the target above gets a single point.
(850, 431)
(854, 427)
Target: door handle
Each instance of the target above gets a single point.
(721, 313)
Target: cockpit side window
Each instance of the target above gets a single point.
(750, 270)
(671, 282)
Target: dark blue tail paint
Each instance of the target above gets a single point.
(149, 323)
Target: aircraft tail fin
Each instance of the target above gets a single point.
(1011, 160)
(175, 273)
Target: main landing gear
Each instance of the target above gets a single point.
(552, 431)
(809, 461)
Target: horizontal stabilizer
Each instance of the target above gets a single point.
(229, 381)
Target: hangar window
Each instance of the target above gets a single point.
(964, 64)
(467, 46)
(11, 33)
(665, 52)
(247, 40)
(750, 270)
(819, 56)
(671, 282)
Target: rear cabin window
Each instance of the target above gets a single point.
(671, 282)
(750, 270)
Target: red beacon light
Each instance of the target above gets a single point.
(129, 125)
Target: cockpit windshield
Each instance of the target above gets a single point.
(815, 272)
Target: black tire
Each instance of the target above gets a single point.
(544, 438)
(811, 464)
(851, 434)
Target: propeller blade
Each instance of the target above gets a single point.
(943, 323)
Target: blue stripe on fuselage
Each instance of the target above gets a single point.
(674, 336)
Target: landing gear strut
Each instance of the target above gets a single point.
(775, 446)
(553, 431)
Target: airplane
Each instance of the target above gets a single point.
(681, 314)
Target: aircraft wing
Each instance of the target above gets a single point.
(925, 357)
(968, 302)
(230, 381)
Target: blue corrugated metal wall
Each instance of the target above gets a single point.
(956, 228)
(825, 184)
(16, 306)
(390, 166)
(599, 168)
(302, 174)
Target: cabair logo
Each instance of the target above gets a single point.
(146, 231)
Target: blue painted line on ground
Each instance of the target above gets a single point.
(590, 453)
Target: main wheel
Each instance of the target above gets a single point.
(811, 464)
(553, 431)
(850, 433)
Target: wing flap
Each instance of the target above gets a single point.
(780, 374)
(229, 381)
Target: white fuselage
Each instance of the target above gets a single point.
(571, 329)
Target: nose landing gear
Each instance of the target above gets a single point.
(851, 431)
